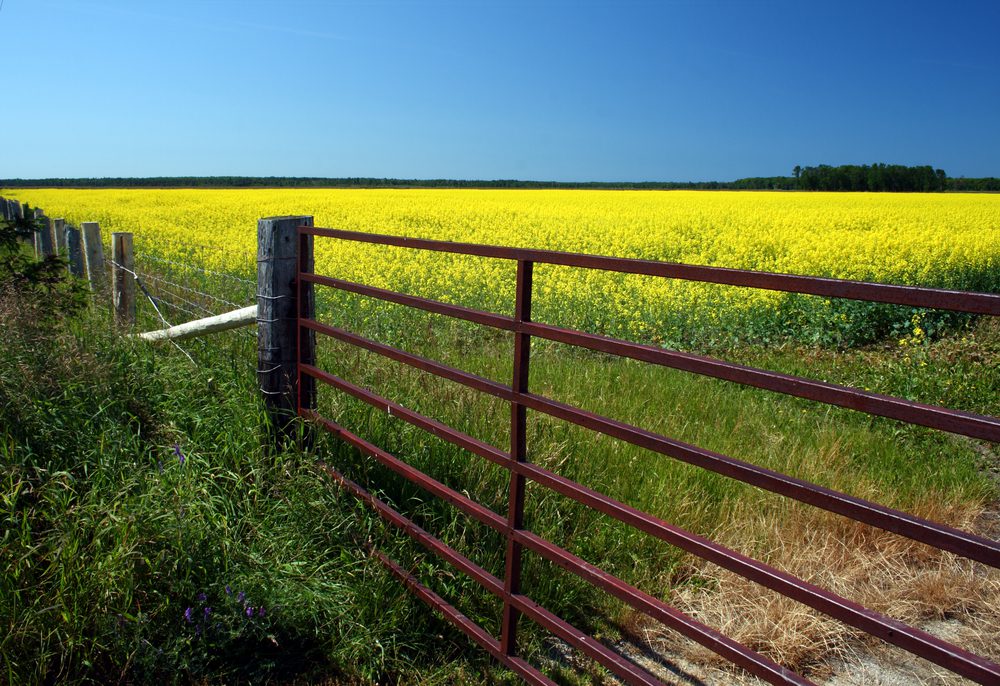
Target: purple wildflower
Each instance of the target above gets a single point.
(208, 611)
(202, 597)
(179, 454)
(249, 610)
(241, 596)
(229, 591)
(187, 615)
(260, 611)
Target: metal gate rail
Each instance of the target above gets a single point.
(515, 603)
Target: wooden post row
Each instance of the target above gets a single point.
(280, 344)
(74, 251)
(123, 279)
(93, 251)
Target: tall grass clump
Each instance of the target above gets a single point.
(147, 536)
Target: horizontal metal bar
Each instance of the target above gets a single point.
(924, 531)
(890, 630)
(946, 538)
(893, 631)
(631, 673)
(628, 671)
(466, 505)
(466, 625)
(478, 383)
(954, 421)
(431, 426)
(715, 641)
(914, 296)
(497, 321)
(752, 661)
(933, 416)
(420, 535)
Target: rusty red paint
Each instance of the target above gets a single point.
(657, 609)
(914, 296)
(518, 454)
(516, 603)
(876, 624)
(945, 419)
(750, 660)
(941, 536)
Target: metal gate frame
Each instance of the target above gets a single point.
(518, 538)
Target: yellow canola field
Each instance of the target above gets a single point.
(948, 240)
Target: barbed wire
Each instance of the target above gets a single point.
(152, 301)
(163, 292)
(173, 284)
(191, 303)
(189, 247)
(199, 312)
(180, 308)
(203, 270)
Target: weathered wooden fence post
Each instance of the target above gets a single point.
(74, 251)
(93, 251)
(59, 236)
(123, 279)
(36, 234)
(280, 344)
(43, 236)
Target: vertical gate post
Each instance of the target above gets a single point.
(280, 348)
(93, 250)
(518, 453)
(122, 279)
(74, 251)
(306, 337)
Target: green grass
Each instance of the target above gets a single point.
(911, 468)
(108, 538)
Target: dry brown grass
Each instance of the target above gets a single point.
(909, 581)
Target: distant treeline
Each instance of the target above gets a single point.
(891, 178)
(876, 177)
(346, 182)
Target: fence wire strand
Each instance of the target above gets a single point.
(152, 301)
(202, 270)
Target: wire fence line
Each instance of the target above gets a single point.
(167, 283)
(200, 297)
(195, 268)
(152, 301)
(179, 291)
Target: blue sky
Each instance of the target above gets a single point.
(549, 89)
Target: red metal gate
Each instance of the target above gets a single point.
(517, 462)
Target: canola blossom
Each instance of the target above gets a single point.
(938, 240)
